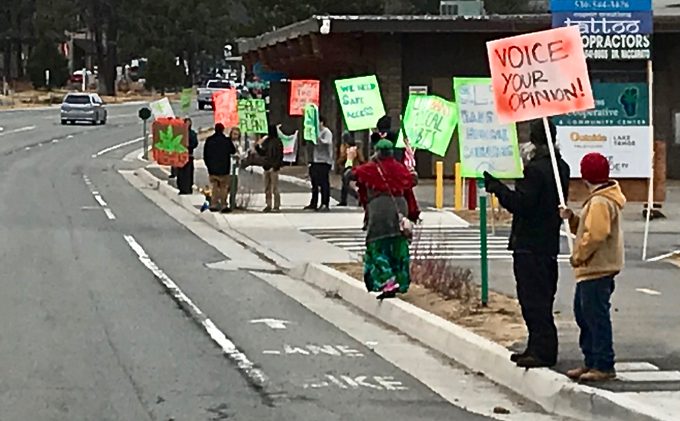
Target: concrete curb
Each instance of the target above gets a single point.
(552, 391)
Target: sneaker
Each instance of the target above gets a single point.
(324, 209)
(342, 204)
(267, 210)
(597, 376)
(529, 361)
(514, 357)
(309, 207)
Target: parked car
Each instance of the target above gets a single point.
(83, 107)
(204, 95)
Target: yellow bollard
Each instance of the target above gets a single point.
(458, 188)
(439, 186)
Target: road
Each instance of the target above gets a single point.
(89, 332)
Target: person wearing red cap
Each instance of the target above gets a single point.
(597, 258)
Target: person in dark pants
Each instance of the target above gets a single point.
(185, 174)
(271, 149)
(347, 143)
(320, 169)
(535, 242)
(597, 258)
(217, 153)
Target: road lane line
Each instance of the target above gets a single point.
(118, 146)
(245, 366)
(19, 130)
(664, 256)
(100, 200)
(109, 214)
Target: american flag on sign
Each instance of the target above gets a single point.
(409, 155)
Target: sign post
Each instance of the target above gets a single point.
(483, 240)
(144, 115)
(650, 191)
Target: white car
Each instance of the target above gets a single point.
(204, 96)
(83, 107)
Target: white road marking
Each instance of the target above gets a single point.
(271, 323)
(109, 214)
(27, 148)
(100, 200)
(271, 352)
(241, 360)
(312, 350)
(19, 130)
(69, 136)
(647, 291)
(118, 146)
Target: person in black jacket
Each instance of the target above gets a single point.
(271, 149)
(535, 242)
(185, 174)
(217, 154)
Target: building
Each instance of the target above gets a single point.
(427, 51)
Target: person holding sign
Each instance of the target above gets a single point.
(270, 148)
(217, 153)
(320, 168)
(597, 259)
(386, 193)
(535, 242)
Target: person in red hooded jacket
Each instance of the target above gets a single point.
(385, 189)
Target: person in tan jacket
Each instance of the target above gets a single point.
(598, 256)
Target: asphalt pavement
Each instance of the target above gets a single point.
(90, 331)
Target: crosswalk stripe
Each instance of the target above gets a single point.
(454, 243)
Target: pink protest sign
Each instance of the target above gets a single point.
(226, 111)
(540, 74)
(303, 92)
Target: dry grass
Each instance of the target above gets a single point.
(448, 291)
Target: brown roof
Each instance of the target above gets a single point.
(420, 23)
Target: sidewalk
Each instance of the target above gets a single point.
(645, 314)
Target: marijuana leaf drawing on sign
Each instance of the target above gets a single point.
(169, 142)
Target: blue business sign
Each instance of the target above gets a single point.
(600, 5)
(611, 35)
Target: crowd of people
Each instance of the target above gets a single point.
(384, 187)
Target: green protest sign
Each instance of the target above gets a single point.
(360, 101)
(429, 122)
(252, 116)
(485, 144)
(185, 100)
(311, 123)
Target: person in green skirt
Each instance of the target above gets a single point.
(385, 190)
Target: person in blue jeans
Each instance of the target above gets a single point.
(597, 258)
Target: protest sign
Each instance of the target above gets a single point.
(429, 122)
(311, 123)
(252, 116)
(303, 92)
(226, 111)
(360, 101)
(170, 141)
(185, 100)
(618, 128)
(289, 145)
(161, 108)
(540, 74)
(485, 144)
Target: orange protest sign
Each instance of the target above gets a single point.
(226, 110)
(303, 92)
(540, 74)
